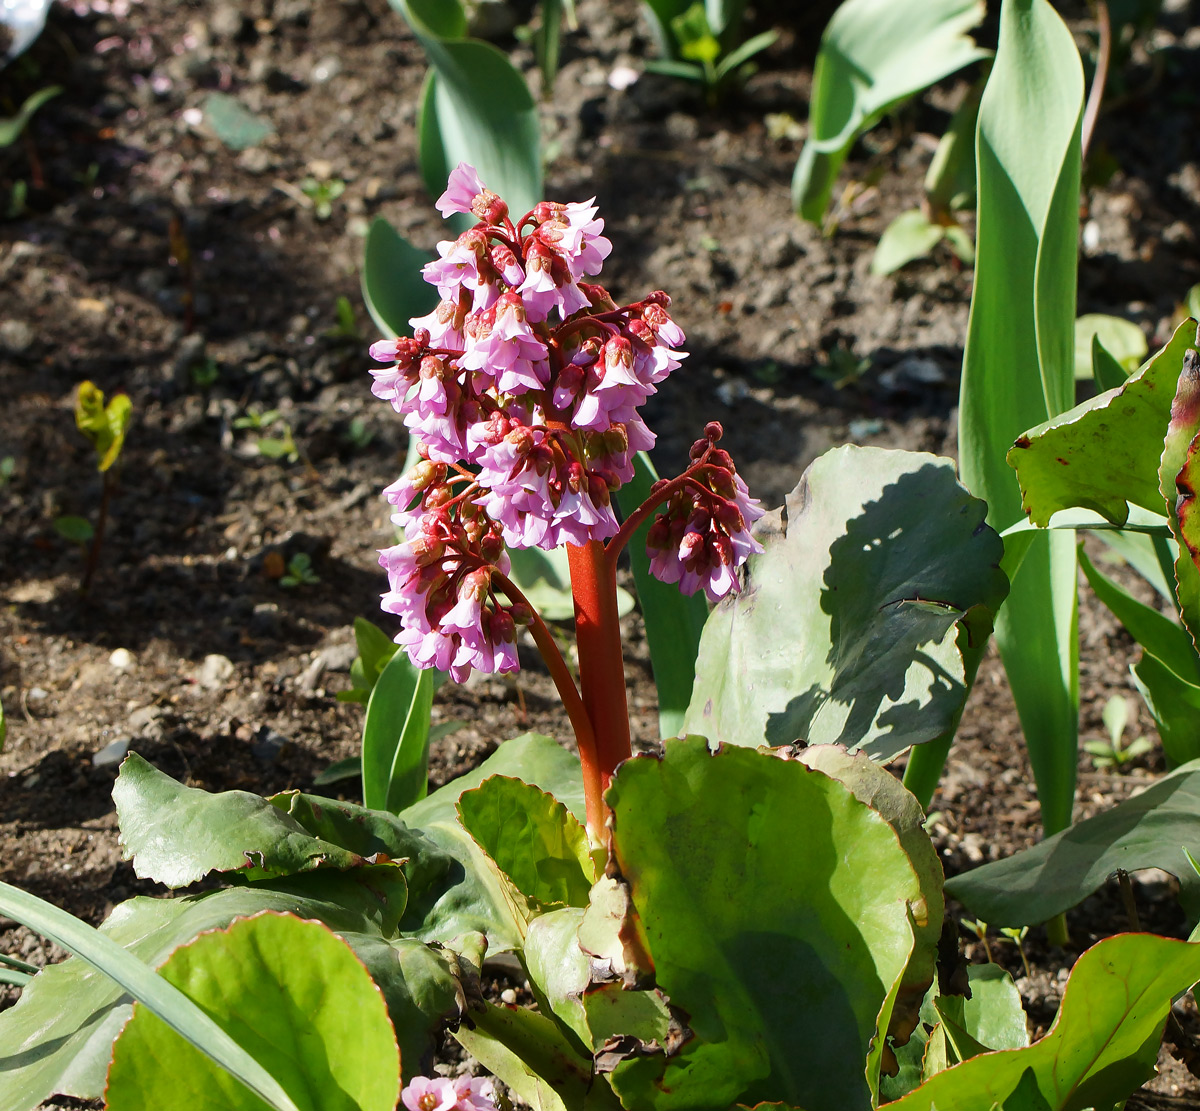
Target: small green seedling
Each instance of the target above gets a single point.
(357, 434)
(347, 322)
(8, 467)
(12, 126)
(1113, 753)
(844, 368)
(322, 194)
(105, 426)
(273, 447)
(204, 374)
(979, 928)
(299, 572)
(699, 49)
(1017, 937)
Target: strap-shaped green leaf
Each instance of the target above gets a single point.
(392, 286)
(395, 746)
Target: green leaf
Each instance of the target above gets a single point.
(529, 1053)
(177, 835)
(1104, 454)
(531, 757)
(104, 425)
(1018, 363)
(392, 286)
(782, 959)
(549, 38)
(874, 55)
(740, 55)
(233, 123)
(534, 840)
(1148, 831)
(883, 792)
(1123, 340)
(1156, 633)
(1179, 479)
(1106, 371)
(475, 897)
(483, 112)
(1174, 703)
(950, 179)
(910, 236)
(673, 620)
(1102, 1047)
(72, 1011)
(992, 1018)
(294, 996)
(12, 126)
(75, 530)
(1151, 557)
(395, 745)
(846, 631)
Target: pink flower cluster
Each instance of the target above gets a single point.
(522, 388)
(466, 1093)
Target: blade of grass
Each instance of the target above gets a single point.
(146, 986)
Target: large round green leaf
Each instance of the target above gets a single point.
(776, 909)
(845, 632)
(58, 1037)
(177, 835)
(1102, 1046)
(288, 991)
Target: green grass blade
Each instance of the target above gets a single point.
(146, 986)
(1018, 368)
(673, 620)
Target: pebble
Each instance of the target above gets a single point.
(111, 754)
(508, 996)
(146, 721)
(16, 336)
(308, 682)
(214, 672)
(37, 694)
(256, 160)
(339, 657)
(121, 659)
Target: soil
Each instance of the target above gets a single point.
(142, 254)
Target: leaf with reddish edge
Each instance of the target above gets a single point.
(783, 960)
(291, 993)
(1104, 454)
(1103, 1044)
(1178, 475)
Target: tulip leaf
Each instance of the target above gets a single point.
(289, 992)
(874, 54)
(393, 287)
(846, 630)
(1153, 830)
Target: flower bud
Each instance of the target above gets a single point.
(698, 449)
(491, 546)
(521, 613)
(730, 517)
(501, 625)
(658, 297)
(713, 431)
(488, 207)
(691, 547)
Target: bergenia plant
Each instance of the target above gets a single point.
(523, 387)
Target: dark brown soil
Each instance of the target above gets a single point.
(189, 649)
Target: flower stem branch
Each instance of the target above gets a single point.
(581, 722)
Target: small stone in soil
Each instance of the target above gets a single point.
(214, 672)
(111, 754)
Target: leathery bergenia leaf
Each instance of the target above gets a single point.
(776, 911)
(177, 835)
(1106, 452)
(288, 991)
(845, 632)
(1152, 830)
(1102, 1046)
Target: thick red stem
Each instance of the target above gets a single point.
(601, 666)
